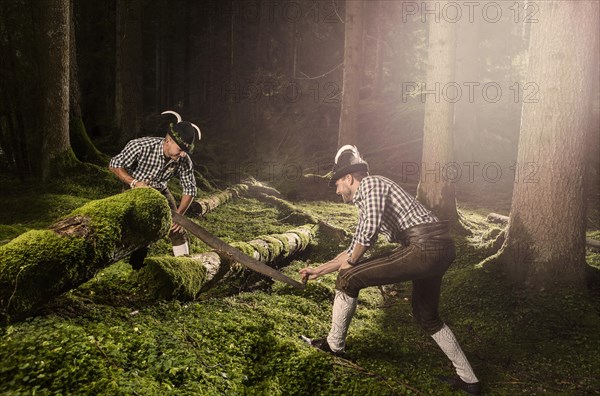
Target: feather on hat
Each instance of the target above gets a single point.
(347, 160)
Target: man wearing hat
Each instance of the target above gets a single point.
(152, 162)
(426, 253)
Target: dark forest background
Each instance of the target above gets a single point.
(263, 80)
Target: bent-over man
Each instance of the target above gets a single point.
(426, 253)
(152, 162)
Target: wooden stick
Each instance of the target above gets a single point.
(233, 253)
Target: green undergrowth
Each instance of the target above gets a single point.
(108, 338)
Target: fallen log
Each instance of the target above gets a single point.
(184, 278)
(251, 187)
(235, 254)
(41, 264)
(168, 277)
(202, 206)
(592, 243)
(497, 218)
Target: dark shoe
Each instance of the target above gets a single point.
(456, 384)
(323, 345)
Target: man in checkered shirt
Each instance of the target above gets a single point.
(152, 162)
(426, 253)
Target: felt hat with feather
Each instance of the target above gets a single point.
(347, 160)
(183, 133)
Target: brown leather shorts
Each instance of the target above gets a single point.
(427, 253)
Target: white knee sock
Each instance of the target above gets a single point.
(343, 310)
(181, 250)
(449, 345)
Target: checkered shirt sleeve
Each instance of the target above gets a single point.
(384, 207)
(144, 160)
(371, 207)
(185, 173)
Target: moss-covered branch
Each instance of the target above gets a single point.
(184, 278)
(41, 264)
(202, 206)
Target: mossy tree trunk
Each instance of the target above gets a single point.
(41, 264)
(466, 125)
(379, 47)
(545, 241)
(128, 89)
(353, 52)
(56, 146)
(82, 146)
(436, 189)
(184, 278)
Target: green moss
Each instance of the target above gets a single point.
(82, 146)
(38, 265)
(202, 183)
(61, 165)
(169, 277)
(245, 247)
(285, 242)
(262, 248)
(306, 234)
(100, 339)
(8, 232)
(275, 246)
(243, 220)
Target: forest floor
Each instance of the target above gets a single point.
(108, 338)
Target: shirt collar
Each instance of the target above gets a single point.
(161, 153)
(357, 198)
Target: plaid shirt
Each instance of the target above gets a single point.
(144, 160)
(385, 207)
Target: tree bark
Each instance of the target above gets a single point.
(128, 87)
(348, 129)
(379, 50)
(81, 143)
(436, 189)
(545, 243)
(466, 127)
(41, 264)
(54, 62)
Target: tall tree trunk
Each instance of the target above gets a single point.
(348, 130)
(12, 141)
(379, 52)
(545, 242)
(82, 146)
(466, 123)
(54, 63)
(436, 189)
(128, 81)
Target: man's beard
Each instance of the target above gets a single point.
(347, 198)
